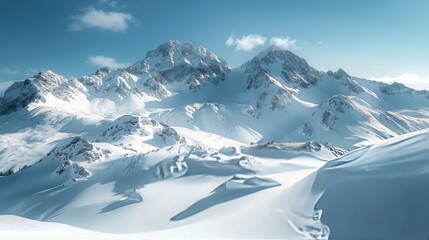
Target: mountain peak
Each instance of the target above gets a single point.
(339, 74)
(277, 51)
(169, 48)
(176, 61)
(275, 47)
(49, 76)
(275, 61)
(46, 73)
(278, 55)
(104, 71)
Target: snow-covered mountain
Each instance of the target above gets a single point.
(181, 124)
(171, 68)
(276, 96)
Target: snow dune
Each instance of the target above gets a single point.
(377, 192)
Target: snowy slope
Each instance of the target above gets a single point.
(369, 193)
(13, 227)
(378, 196)
(95, 185)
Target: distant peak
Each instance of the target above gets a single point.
(275, 47)
(339, 74)
(45, 73)
(277, 54)
(170, 47)
(103, 71)
(48, 75)
(275, 50)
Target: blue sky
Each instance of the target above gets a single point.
(387, 39)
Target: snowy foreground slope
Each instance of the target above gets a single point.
(179, 145)
(367, 194)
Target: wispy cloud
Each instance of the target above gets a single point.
(408, 79)
(246, 43)
(10, 70)
(102, 61)
(106, 20)
(284, 43)
(230, 41)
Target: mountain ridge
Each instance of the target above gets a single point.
(276, 96)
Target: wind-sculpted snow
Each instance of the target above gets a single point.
(376, 192)
(233, 188)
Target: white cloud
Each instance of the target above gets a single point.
(408, 79)
(246, 43)
(103, 61)
(284, 43)
(229, 41)
(93, 18)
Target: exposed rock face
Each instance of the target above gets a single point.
(275, 75)
(77, 150)
(33, 89)
(75, 170)
(347, 81)
(195, 65)
(128, 125)
(292, 70)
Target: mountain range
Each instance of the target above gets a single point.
(126, 142)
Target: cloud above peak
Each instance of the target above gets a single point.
(249, 42)
(106, 20)
(284, 43)
(102, 61)
(246, 43)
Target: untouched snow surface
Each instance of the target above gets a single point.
(368, 193)
(376, 192)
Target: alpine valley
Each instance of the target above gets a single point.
(180, 145)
